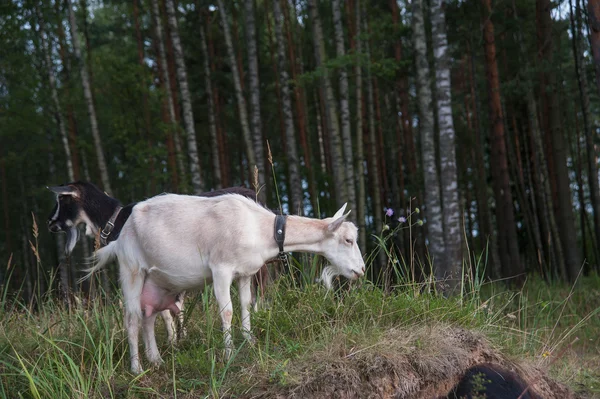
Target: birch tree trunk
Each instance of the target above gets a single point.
(449, 180)
(241, 102)
(331, 112)
(433, 208)
(505, 220)
(212, 123)
(360, 171)
(254, 87)
(296, 197)
(87, 92)
(344, 109)
(186, 101)
(47, 50)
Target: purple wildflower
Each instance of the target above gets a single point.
(402, 219)
(389, 212)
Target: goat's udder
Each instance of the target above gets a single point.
(155, 299)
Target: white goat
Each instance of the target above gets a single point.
(173, 243)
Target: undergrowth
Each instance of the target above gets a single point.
(55, 351)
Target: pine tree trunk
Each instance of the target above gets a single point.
(300, 108)
(591, 151)
(488, 235)
(72, 133)
(433, 208)
(448, 176)
(565, 216)
(186, 101)
(212, 123)
(222, 139)
(87, 91)
(360, 172)
(512, 267)
(344, 109)
(145, 105)
(593, 8)
(241, 102)
(166, 85)
(296, 197)
(254, 87)
(57, 108)
(331, 113)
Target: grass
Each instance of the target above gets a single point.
(304, 330)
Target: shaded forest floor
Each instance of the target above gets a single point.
(313, 343)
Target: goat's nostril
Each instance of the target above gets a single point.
(363, 269)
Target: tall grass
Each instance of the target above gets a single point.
(81, 351)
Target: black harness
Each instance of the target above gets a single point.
(115, 224)
(279, 234)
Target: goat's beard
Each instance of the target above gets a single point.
(327, 276)
(72, 238)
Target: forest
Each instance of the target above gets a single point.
(479, 115)
(462, 134)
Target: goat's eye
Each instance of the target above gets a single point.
(349, 241)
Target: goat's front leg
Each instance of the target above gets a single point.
(132, 285)
(222, 288)
(152, 352)
(245, 292)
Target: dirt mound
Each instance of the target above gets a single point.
(421, 363)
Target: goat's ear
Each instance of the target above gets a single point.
(64, 190)
(340, 212)
(337, 222)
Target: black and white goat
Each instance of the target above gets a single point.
(83, 202)
(173, 243)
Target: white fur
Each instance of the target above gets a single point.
(180, 243)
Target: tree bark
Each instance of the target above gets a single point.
(449, 179)
(145, 106)
(593, 8)
(296, 197)
(512, 267)
(433, 208)
(565, 217)
(360, 172)
(46, 48)
(591, 148)
(344, 109)
(87, 91)
(254, 87)
(241, 102)
(186, 101)
(331, 113)
(212, 123)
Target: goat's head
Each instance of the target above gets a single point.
(341, 246)
(76, 203)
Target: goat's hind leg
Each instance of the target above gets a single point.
(152, 352)
(170, 326)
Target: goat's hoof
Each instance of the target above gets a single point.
(137, 370)
(251, 339)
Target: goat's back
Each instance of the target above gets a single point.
(183, 237)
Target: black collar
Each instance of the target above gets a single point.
(110, 225)
(279, 231)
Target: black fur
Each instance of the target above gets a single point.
(492, 382)
(100, 207)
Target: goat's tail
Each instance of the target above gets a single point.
(100, 258)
